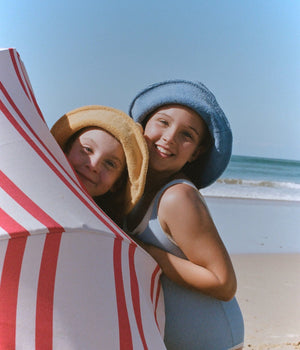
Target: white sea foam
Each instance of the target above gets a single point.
(256, 189)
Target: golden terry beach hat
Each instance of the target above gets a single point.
(124, 129)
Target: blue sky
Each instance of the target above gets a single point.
(103, 52)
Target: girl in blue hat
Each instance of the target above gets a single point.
(189, 141)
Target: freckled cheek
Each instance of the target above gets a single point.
(83, 161)
(105, 177)
(151, 140)
(152, 133)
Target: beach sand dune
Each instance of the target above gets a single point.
(268, 294)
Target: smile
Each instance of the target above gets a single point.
(83, 177)
(163, 151)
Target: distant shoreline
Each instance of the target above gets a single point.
(284, 200)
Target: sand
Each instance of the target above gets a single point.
(257, 226)
(269, 296)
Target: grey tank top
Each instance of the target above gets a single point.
(149, 229)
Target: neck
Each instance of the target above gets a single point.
(156, 180)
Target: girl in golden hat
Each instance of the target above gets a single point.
(108, 153)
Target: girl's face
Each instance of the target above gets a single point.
(173, 134)
(98, 159)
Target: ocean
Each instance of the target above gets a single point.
(258, 178)
(256, 205)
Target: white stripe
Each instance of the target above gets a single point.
(85, 310)
(27, 293)
(3, 247)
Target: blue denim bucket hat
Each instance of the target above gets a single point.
(204, 170)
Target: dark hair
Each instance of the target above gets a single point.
(113, 202)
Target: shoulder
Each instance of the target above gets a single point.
(179, 196)
(183, 213)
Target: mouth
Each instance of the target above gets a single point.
(85, 178)
(163, 151)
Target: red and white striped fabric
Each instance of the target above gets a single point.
(69, 277)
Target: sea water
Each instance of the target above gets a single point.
(256, 205)
(258, 178)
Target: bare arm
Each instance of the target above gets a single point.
(208, 269)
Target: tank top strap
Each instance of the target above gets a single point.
(155, 202)
(175, 182)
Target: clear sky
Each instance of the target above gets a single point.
(103, 52)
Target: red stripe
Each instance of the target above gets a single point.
(124, 325)
(10, 282)
(154, 274)
(45, 293)
(29, 88)
(156, 301)
(135, 295)
(14, 62)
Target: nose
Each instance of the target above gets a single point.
(169, 135)
(94, 164)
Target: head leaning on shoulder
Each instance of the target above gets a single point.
(194, 96)
(106, 148)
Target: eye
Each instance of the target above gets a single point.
(163, 121)
(87, 149)
(187, 134)
(111, 164)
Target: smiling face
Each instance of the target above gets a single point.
(98, 159)
(174, 136)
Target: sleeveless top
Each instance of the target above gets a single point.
(193, 319)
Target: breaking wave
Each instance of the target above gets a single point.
(256, 189)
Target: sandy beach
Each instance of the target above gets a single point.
(268, 294)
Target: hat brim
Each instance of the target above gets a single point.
(196, 96)
(123, 128)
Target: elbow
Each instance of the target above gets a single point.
(227, 290)
(227, 296)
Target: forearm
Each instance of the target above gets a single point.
(190, 275)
